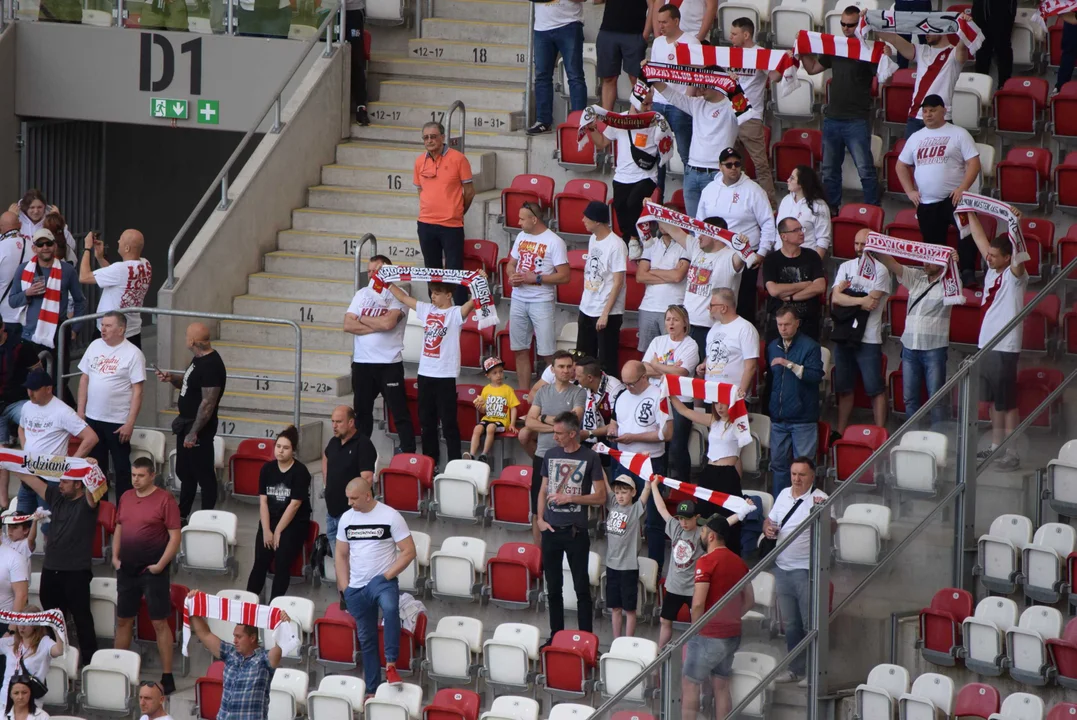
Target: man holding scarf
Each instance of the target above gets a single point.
(45, 274)
(938, 64)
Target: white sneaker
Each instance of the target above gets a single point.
(786, 676)
(803, 682)
(635, 250)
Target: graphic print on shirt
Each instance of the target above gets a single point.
(599, 410)
(645, 412)
(790, 274)
(717, 355)
(566, 477)
(932, 150)
(616, 521)
(186, 374)
(592, 273)
(105, 364)
(138, 284)
(367, 532)
(434, 333)
(279, 492)
(497, 406)
(699, 277)
(531, 256)
(682, 553)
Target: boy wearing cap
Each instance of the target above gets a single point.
(497, 402)
(622, 550)
(683, 531)
(602, 304)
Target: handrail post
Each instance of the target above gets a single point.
(457, 105)
(529, 88)
(965, 506)
(369, 237)
(225, 202)
(230, 18)
(818, 653)
(276, 117)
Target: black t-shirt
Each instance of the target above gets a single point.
(574, 473)
(850, 88)
(778, 268)
(206, 371)
(71, 530)
(280, 488)
(343, 463)
(625, 16)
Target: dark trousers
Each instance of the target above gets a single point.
(935, 220)
(194, 467)
(443, 247)
(628, 202)
(109, 446)
(291, 544)
(995, 18)
(603, 344)
(386, 379)
(437, 401)
(574, 543)
(354, 20)
(1069, 54)
(69, 592)
(748, 295)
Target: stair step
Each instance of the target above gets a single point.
(403, 251)
(298, 287)
(330, 362)
(450, 70)
(271, 402)
(392, 166)
(411, 115)
(336, 197)
(431, 48)
(510, 11)
(306, 311)
(315, 337)
(488, 96)
(336, 221)
(475, 30)
(515, 141)
(278, 382)
(263, 425)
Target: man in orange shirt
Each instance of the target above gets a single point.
(443, 179)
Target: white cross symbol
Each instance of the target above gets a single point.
(208, 112)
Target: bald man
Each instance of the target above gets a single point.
(373, 546)
(201, 387)
(636, 428)
(14, 253)
(123, 284)
(348, 454)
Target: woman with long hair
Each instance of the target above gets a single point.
(21, 703)
(674, 353)
(32, 209)
(806, 202)
(57, 225)
(29, 649)
(284, 515)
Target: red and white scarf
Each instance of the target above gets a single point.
(56, 468)
(723, 82)
(713, 392)
(53, 619)
(941, 255)
(639, 464)
(927, 79)
(471, 279)
(663, 136)
(48, 317)
(215, 607)
(852, 48)
(653, 212)
(732, 58)
(970, 202)
(1051, 8)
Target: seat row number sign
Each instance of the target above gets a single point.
(168, 108)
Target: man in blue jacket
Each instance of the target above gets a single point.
(796, 367)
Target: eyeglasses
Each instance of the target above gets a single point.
(431, 137)
(849, 25)
(44, 243)
(794, 231)
(731, 165)
(424, 173)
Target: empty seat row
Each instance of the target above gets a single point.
(1010, 556)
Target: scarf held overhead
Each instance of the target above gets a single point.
(653, 212)
(53, 619)
(852, 48)
(712, 78)
(941, 255)
(970, 202)
(732, 58)
(713, 392)
(215, 607)
(49, 315)
(663, 136)
(471, 279)
(1049, 8)
(924, 23)
(56, 468)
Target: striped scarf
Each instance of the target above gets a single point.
(718, 80)
(653, 212)
(852, 48)
(56, 468)
(941, 255)
(970, 202)
(215, 607)
(663, 135)
(48, 317)
(471, 279)
(53, 619)
(1051, 8)
(923, 23)
(710, 391)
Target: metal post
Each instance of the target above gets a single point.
(819, 651)
(225, 202)
(276, 117)
(418, 18)
(229, 19)
(369, 237)
(119, 13)
(328, 40)
(667, 689)
(529, 88)
(965, 506)
(342, 30)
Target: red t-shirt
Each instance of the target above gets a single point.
(145, 522)
(722, 569)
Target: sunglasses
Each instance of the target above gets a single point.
(151, 684)
(731, 165)
(849, 25)
(44, 243)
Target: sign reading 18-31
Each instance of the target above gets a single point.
(168, 108)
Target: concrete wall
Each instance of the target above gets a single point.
(231, 243)
(9, 122)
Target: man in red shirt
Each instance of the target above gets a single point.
(710, 653)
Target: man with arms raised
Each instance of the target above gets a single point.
(123, 284)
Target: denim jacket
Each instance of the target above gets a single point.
(794, 395)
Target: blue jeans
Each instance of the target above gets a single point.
(331, 531)
(789, 441)
(855, 135)
(1069, 54)
(918, 367)
(794, 602)
(363, 604)
(912, 125)
(694, 182)
(681, 124)
(568, 41)
(655, 526)
(9, 417)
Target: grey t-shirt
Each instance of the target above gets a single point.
(553, 403)
(622, 534)
(572, 473)
(686, 548)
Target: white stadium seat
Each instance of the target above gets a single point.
(1026, 644)
(792, 16)
(627, 658)
(798, 104)
(1020, 706)
(338, 697)
(878, 697)
(151, 444)
(932, 695)
(413, 578)
(33, 593)
(566, 339)
(109, 681)
(999, 552)
(222, 628)
(915, 462)
(749, 669)
(208, 543)
(452, 648)
(61, 678)
(764, 589)
(758, 11)
(386, 12)
(512, 707)
(103, 606)
(570, 711)
(511, 656)
(1043, 563)
(287, 694)
(594, 574)
(984, 635)
(460, 490)
(971, 104)
(301, 610)
(987, 163)
(1062, 480)
(456, 569)
(862, 529)
(402, 701)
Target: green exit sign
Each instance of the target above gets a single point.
(168, 108)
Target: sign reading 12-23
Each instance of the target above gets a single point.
(151, 79)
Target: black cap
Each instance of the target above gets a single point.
(729, 153)
(685, 509)
(933, 101)
(718, 524)
(37, 379)
(597, 211)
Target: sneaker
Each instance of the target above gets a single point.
(539, 128)
(786, 676)
(361, 116)
(983, 454)
(168, 683)
(392, 676)
(635, 250)
(466, 456)
(1054, 92)
(803, 682)
(484, 458)
(1009, 461)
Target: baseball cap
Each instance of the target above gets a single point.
(718, 524)
(624, 480)
(491, 362)
(37, 379)
(685, 509)
(44, 234)
(729, 153)
(933, 101)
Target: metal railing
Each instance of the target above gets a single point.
(273, 105)
(59, 376)
(368, 238)
(457, 105)
(816, 639)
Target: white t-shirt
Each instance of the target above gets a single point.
(722, 441)
(604, 258)
(1003, 298)
(662, 50)
(850, 272)
(639, 414)
(14, 254)
(22, 547)
(745, 208)
(441, 340)
(664, 351)
(123, 285)
(945, 81)
(48, 428)
(728, 346)
(372, 539)
(14, 567)
(715, 126)
(708, 270)
(692, 17)
(938, 158)
(557, 13)
(657, 298)
(815, 219)
(37, 663)
(165, 717)
(380, 347)
(540, 254)
(626, 170)
(798, 555)
(112, 372)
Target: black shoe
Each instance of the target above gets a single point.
(361, 116)
(168, 684)
(538, 129)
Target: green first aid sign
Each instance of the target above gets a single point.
(209, 112)
(168, 108)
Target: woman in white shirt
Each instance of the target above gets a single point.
(722, 472)
(806, 202)
(674, 354)
(661, 271)
(21, 703)
(29, 650)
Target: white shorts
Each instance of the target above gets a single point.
(532, 318)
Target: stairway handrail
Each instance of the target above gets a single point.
(369, 237)
(457, 105)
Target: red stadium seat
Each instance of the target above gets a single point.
(475, 343)
(860, 396)
(633, 290)
(896, 388)
(797, 147)
(336, 645)
(406, 484)
(106, 525)
(1040, 325)
(1020, 106)
(897, 97)
(1063, 654)
(977, 700)
(848, 222)
(627, 346)
(569, 153)
(481, 255)
(940, 625)
(208, 691)
(1034, 384)
(568, 664)
(1023, 176)
(525, 404)
(571, 292)
(822, 447)
(524, 188)
(144, 632)
(896, 307)
(503, 343)
(510, 495)
(1069, 331)
(505, 267)
(467, 416)
(569, 204)
(1062, 711)
(965, 319)
(677, 201)
(411, 393)
(453, 704)
(906, 227)
(514, 575)
(301, 566)
(891, 183)
(1040, 230)
(854, 448)
(749, 166)
(411, 644)
(245, 467)
(1066, 180)
(1064, 112)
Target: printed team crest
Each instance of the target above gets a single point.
(682, 553)
(868, 271)
(736, 197)
(645, 412)
(665, 145)
(434, 332)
